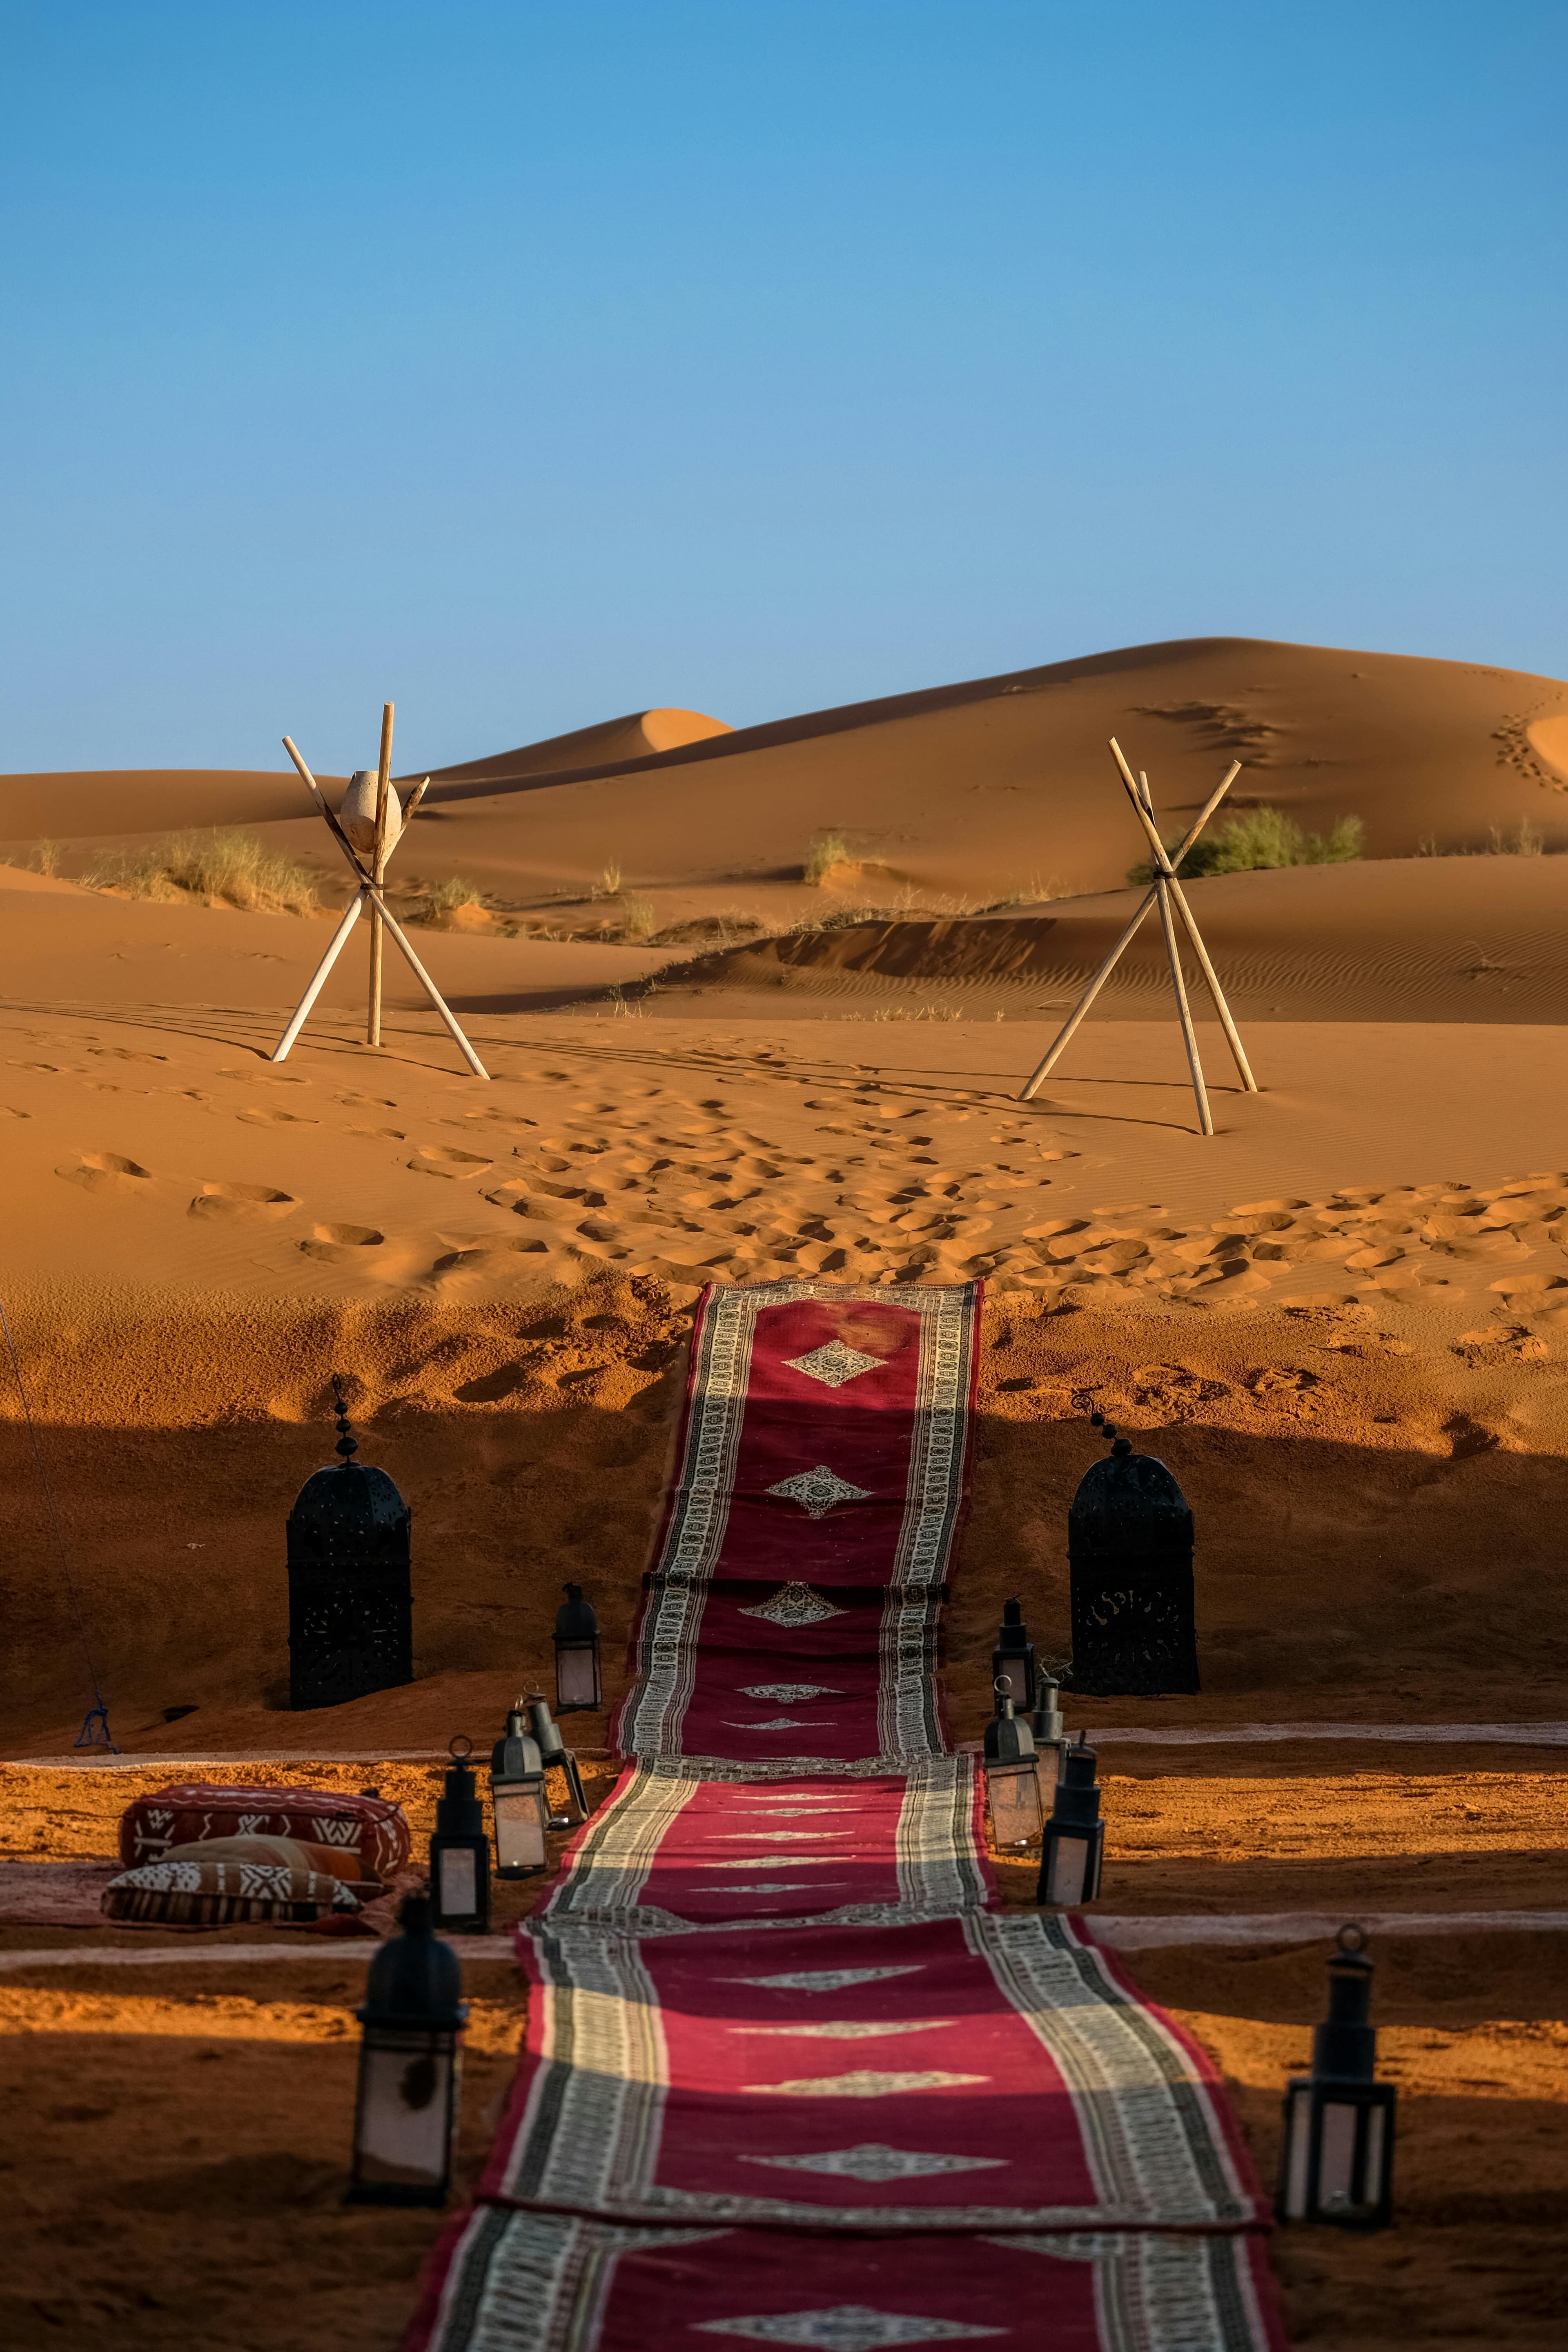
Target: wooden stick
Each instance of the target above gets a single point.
(302, 1013)
(429, 985)
(1064, 1035)
(378, 869)
(1162, 860)
(1178, 981)
(344, 844)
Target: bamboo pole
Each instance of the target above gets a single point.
(378, 869)
(431, 991)
(1161, 860)
(302, 1013)
(1178, 981)
(1064, 1035)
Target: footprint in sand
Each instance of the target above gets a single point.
(336, 1244)
(9, 1110)
(445, 1159)
(103, 1171)
(259, 1115)
(125, 1054)
(245, 1201)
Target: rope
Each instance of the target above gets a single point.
(99, 1711)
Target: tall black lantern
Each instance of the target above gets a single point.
(351, 1609)
(1074, 1844)
(517, 1799)
(409, 2067)
(563, 1774)
(1012, 1775)
(1130, 1543)
(576, 1653)
(1013, 1660)
(459, 1851)
(1337, 2160)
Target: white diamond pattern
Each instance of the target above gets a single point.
(873, 2161)
(816, 1491)
(833, 1364)
(789, 1693)
(844, 2327)
(794, 1605)
(863, 2082)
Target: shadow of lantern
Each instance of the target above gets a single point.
(351, 1609)
(1130, 1548)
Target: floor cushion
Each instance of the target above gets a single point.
(374, 1832)
(227, 1882)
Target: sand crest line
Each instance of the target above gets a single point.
(1124, 1932)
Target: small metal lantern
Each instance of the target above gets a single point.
(1336, 2163)
(1012, 1775)
(1130, 1542)
(517, 1799)
(576, 1653)
(410, 2065)
(1046, 1723)
(1013, 1659)
(563, 1779)
(1075, 1834)
(350, 1628)
(459, 1851)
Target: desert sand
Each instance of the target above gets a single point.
(1342, 1321)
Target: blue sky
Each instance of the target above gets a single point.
(534, 363)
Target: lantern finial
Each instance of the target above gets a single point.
(347, 1444)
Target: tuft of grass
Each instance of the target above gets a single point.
(638, 920)
(828, 850)
(235, 867)
(608, 885)
(1526, 839)
(444, 898)
(46, 857)
(1255, 840)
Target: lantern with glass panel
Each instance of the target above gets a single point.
(459, 1851)
(576, 1653)
(518, 1801)
(1074, 1844)
(565, 1793)
(1012, 1774)
(406, 2113)
(1336, 2164)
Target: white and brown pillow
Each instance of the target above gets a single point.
(229, 1881)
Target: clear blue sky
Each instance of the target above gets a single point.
(531, 361)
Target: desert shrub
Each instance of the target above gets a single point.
(226, 864)
(828, 850)
(1526, 840)
(608, 885)
(46, 857)
(1256, 839)
(446, 897)
(638, 920)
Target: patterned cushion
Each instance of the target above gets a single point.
(196, 1811)
(224, 1882)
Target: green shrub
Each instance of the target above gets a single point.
(444, 898)
(828, 850)
(1255, 839)
(237, 867)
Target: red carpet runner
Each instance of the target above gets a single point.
(791, 2076)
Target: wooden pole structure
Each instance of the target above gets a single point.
(378, 871)
(1145, 807)
(1065, 1034)
(1178, 982)
(369, 895)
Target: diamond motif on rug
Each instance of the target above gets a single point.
(816, 1491)
(794, 1605)
(789, 1693)
(827, 1979)
(846, 2327)
(850, 2029)
(833, 1364)
(872, 2161)
(865, 2083)
(774, 1723)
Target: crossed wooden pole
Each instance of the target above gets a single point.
(1166, 893)
(370, 880)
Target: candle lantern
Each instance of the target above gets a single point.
(351, 1616)
(1130, 1543)
(1046, 1723)
(1012, 1775)
(1075, 1834)
(563, 1779)
(576, 1653)
(459, 1851)
(405, 2112)
(517, 1799)
(1013, 1659)
(1336, 2163)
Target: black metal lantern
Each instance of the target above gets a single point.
(1075, 1834)
(459, 1851)
(576, 1653)
(350, 1615)
(1046, 1725)
(1012, 1775)
(517, 1799)
(1130, 1542)
(1336, 2162)
(562, 1778)
(410, 2064)
(1013, 1659)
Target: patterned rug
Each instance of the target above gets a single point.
(784, 2047)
